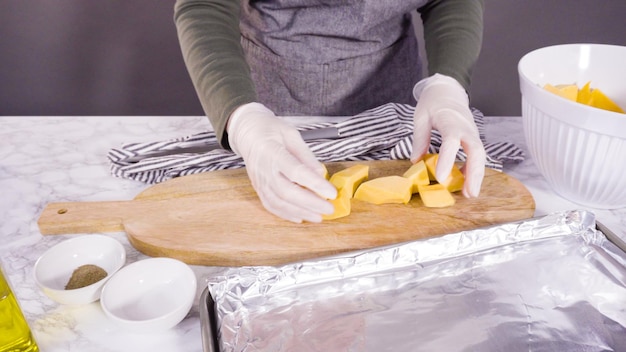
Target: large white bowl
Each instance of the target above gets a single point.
(55, 267)
(580, 150)
(150, 295)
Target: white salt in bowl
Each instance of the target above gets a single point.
(54, 268)
(580, 150)
(150, 295)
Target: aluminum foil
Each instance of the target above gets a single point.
(554, 283)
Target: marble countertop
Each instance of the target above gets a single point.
(52, 159)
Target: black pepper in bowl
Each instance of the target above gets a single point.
(85, 275)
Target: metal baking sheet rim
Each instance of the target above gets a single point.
(208, 318)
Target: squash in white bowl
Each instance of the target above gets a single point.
(579, 149)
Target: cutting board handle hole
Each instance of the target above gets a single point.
(61, 211)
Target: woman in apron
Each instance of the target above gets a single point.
(250, 60)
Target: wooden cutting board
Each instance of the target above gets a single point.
(216, 219)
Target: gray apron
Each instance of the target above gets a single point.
(330, 57)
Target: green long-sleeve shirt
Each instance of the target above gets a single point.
(209, 34)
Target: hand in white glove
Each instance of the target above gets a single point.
(443, 104)
(284, 172)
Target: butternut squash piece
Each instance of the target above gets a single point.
(455, 180)
(342, 205)
(418, 174)
(596, 98)
(567, 91)
(350, 178)
(599, 100)
(385, 190)
(436, 196)
(584, 94)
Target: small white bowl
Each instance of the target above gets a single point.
(150, 295)
(580, 150)
(54, 268)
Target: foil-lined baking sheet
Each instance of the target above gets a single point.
(554, 283)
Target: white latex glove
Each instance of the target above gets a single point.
(284, 172)
(443, 104)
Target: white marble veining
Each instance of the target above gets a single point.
(51, 159)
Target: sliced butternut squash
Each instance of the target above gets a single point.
(601, 101)
(350, 178)
(436, 196)
(455, 180)
(585, 95)
(418, 174)
(385, 190)
(342, 205)
(567, 91)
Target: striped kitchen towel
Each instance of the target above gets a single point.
(382, 133)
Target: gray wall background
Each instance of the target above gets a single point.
(121, 57)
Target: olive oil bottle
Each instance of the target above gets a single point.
(15, 335)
